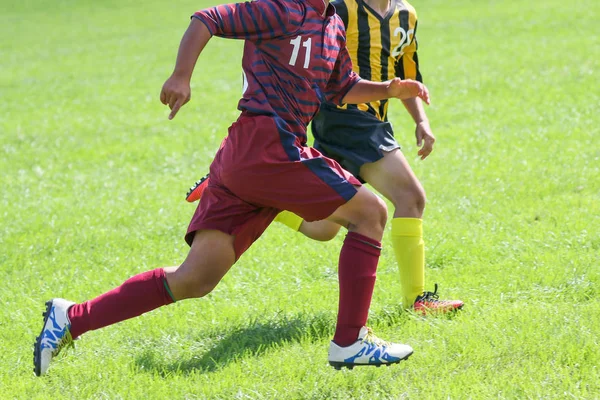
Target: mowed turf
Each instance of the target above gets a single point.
(94, 177)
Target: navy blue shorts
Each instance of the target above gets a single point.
(352, 137)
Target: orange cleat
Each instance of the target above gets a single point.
(429, 303)
(196, 191)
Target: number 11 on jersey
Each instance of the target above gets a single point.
(296, 42)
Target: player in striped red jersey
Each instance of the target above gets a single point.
(294, 58)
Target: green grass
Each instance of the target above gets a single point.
(93, 180)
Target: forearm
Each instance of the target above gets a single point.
(193, 42)
(366, 91)
(415, 108)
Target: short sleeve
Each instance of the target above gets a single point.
(342, 78)
(254, 20)
(407, 65)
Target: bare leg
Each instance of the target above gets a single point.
(210, 257)
(395, 180)
(365, 214)
(351, 215)
(322, 231)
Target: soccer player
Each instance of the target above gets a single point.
(294, 58)
(382, 43)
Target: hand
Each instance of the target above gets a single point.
(175, 93)
(425, 138)
(407, 88)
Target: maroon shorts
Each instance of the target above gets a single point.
(261, 169)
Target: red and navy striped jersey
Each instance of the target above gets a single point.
(295, 57)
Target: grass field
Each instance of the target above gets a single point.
(92, 191)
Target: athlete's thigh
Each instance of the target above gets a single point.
(210, 257)
(220, 210)
(391, 174)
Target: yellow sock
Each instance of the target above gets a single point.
(407, 240)
(289, 219)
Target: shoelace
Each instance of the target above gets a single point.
(429, 296)
(371, 338)
(66, 340)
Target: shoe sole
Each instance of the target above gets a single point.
(436, 311)
(37, 352)
(339, 365)
(200, 183)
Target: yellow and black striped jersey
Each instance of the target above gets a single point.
(380, 47)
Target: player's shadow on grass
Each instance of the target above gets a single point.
(251, 340)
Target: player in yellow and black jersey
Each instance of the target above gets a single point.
(381, 39)
(381, 45)
(382, 42)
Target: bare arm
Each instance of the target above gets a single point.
(415, 109)
(176, 91)
(367, 91)
(251, 20)
(423, 133)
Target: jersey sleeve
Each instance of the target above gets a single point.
(407, 65)
(253, 20)
(341, 9)
(342, 78)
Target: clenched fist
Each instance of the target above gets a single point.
(407, 88)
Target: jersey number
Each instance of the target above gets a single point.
(405, 38)
(296, 50)
(244, 83)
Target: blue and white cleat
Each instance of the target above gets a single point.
(55, 334)
(367, 350)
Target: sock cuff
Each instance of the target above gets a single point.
(365, 243)
(160, 276)
(407, 227)
(289, 219)
(168, 289)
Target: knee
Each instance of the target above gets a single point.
(195, 288)
(410, 201)
(377, 213)
(201, 288)
(186, 284)
(419, 199)
(381, 212)
(365, 214)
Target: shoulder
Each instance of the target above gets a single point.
(339, 26)
(342, 9)
(336, 18)
(342, 6)
(295, 6)
(288, 8)
(402, 5)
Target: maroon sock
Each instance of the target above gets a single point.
(137, 295)
(357, 270)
